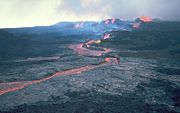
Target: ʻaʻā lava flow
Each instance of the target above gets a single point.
(80, 50)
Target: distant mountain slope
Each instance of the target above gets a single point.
(155, 39)
(75, 28)
(151, 39)
(13, 46)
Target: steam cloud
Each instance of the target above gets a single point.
(15, 13)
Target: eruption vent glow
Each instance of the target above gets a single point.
(146, 19)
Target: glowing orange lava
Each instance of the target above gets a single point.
(87, 52)
(146, 19)
(97, 41)
(21, 85)
(112, 60)
(14, 86)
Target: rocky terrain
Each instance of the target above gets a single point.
(112, 66)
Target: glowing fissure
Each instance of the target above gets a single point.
(146, 19)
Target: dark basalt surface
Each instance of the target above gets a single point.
(147, 80)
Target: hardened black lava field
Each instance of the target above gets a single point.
(111, 68)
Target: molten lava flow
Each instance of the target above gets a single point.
(87, 52)
(106, 36)
(112, 60)
(107, 59)
(146, 19)
(90, 42)
(20, 85)
(97, 41)
(14, 86)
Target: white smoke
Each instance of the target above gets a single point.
(17, 13)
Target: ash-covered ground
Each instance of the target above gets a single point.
(147, 79)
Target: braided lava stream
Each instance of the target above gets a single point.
(14, 86)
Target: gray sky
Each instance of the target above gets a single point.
(20, 13)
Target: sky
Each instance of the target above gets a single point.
(24, 13)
